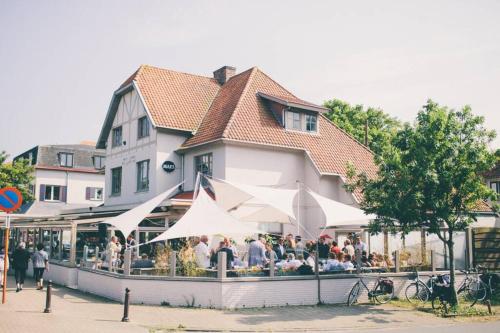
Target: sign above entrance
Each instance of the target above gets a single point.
(10, 199)
(168, 166)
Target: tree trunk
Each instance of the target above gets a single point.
(451, 258)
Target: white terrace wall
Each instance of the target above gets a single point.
(230, 293)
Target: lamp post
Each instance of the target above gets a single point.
(5, 258)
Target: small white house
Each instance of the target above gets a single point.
(65, 177)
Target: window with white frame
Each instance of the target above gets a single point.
(116, 138)
(94, 193)
(143, 175)
(66, 160)
(99, 162)
(142, 127)
(301, 121)
(311, 123)
(52, 193)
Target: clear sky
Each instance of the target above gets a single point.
(62, 60)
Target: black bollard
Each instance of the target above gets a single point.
(48, 298)
(126, 305)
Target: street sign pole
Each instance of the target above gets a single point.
(5, 258)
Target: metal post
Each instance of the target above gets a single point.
(469, 253)
(127, 262)
(433, 260)
(126, 305)
(6, 258)
(271, 264)
(109, 259)
(423, 247)
(358, 261)
(85, 253)
(386, 243)
(48, 298)
(172, 262)
(60, 245)
(96, 253)
(72, 251)
(397, 263)
(298, 208)
(221, 265)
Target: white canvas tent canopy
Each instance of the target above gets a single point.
(339, 214)
(206, 218)
(252, 203)
(128, 221)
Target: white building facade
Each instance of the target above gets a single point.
(290, 144)
(65, 177)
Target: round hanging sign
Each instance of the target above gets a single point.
(168, 166)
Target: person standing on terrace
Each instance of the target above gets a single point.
(323, 248)
(335, 248)
(202, 252)
(280, 250)
(114, 248)
(257, 253)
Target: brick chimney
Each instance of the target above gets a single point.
(223, 74)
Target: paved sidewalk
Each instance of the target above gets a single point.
(77, 312)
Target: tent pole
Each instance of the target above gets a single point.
(196, 185)
(298, 207)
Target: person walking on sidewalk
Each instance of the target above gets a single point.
(40, 264)
(2, 268)
(20, 259)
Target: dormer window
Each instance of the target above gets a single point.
(311, 123)
(66, 160)
(301, 121)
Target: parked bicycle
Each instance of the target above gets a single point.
(491, 281)
(419, 292)
(382, 292)
(472, 289)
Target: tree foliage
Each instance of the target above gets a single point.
(18, 175)
(430, 175)
(352, 119)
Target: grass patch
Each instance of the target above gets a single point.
(461, 310)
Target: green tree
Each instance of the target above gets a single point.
(430, 177)
(18, 175)
(352, 119)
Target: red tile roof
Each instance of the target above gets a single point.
(174, 99)
(235, 111)
(239, 114)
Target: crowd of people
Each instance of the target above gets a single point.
(291, 253)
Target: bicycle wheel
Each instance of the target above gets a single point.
(354, 294)
(417, 293)
(382, 295)
(476, 290)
